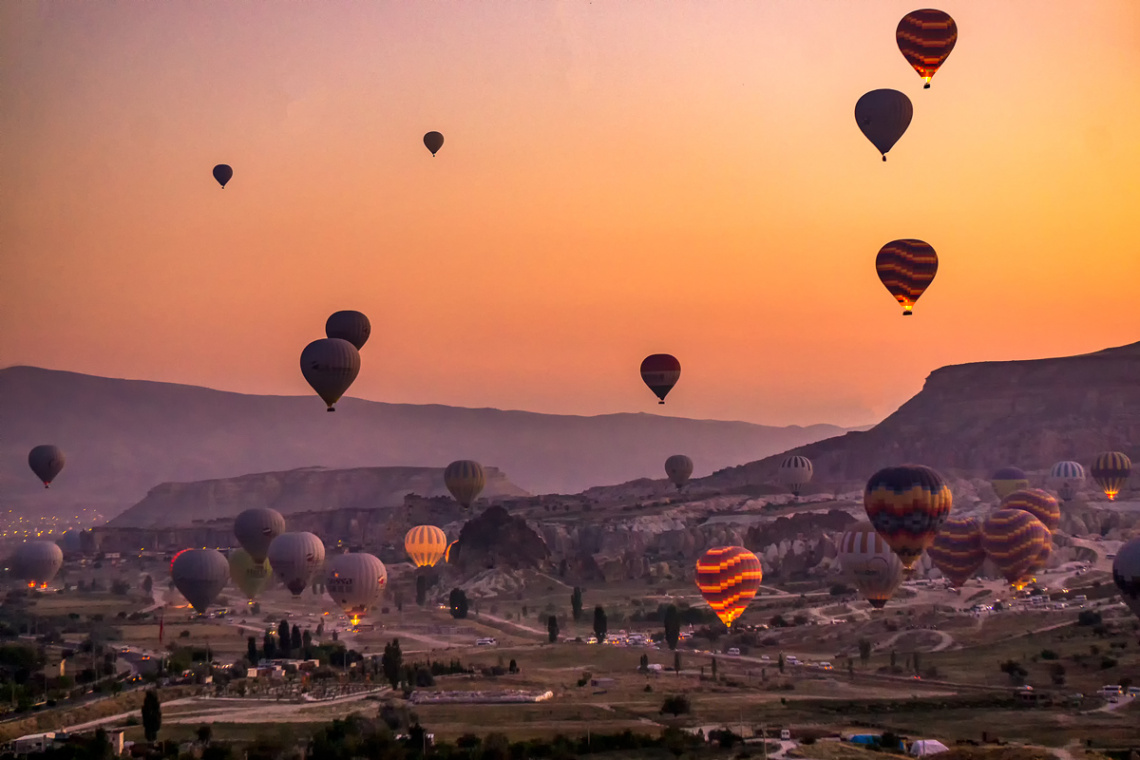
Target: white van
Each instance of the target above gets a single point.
(1111, 692)
(733, 651)
(488, 642)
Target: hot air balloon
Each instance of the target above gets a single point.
(1036, 502)
(907, 505)
(957, 549)
(1111, 471)
(330, 365)
(355, 581)
(925, 39)
(1126, 573)
(200, 575)
(447, 552)
(433, 141)
(728, 577)
(1007, 480)
(248, 574)
(37, 563)
(906, 268)
(295, 559)
(255, 530)
(660, 372)
(678, 468)
(223, 173)
(46, 461)
(425, 544)
(465, 479)
(872, 566)
(1066, 478)
(1015, 540)
(795, 473)
(883, 116)
(349, 325)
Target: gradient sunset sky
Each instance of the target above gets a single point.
(618, 179)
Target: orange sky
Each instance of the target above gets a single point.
(619, 179)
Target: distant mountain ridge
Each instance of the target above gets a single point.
(123, 437)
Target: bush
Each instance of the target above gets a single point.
(1049, 654)
(1107, 662)
(676, 705)
(1088, 617)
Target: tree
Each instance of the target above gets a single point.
(321, 628)
(269, 646)
(576, 604)
(283, 637)
(399, 599)
(151, 715)
(392, 662)
(251, 651)
(552, 628)
(864, 651)
(307, 644)
(672, 626)
(714, 668)
(677, 705)
(894, 659)
(295, 640)
(644, 666)
(915, 661)
(600, 623)
(421, 590)
(850, 667)
(780, 662)
(205, 733)
(677, 663)
(457, 600)
(148, 584)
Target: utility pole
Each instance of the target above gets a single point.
(764, 735)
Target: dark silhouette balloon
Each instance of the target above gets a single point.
(1126, 573)
(46, 461)
(255, 529)
(679, 468)
(330, 365)
(906, 268)
(349, 325)
(223, 174)
(37, 562)
(926, 38)
(433, 141)
(200, 575)
(883, 116)
(295, 559)
(465, 479)
(660, 372)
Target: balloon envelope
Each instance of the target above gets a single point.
(329, 366)
(1126, 573)
(1007, 480)
(37, 562)
(796, 472)
(349, 325)
(248, 574)
(883, 116)
(1066, 478)
(46, 462)
(295, 559)
(200, 575)
(425, 544)
(1038, 503)
(868, 560)
(678, 468)
(223, 173)
(926, 38)
(957, 549)
(255, 530)
(465, 480)
(355, 581)
(433, 141)
(660, 372)
(728, 577)
(1014, 540)
(1111, 471)
(907, 505)
(906, 268)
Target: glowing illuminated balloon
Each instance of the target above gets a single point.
(1015, 540)
(679, 468)
(447, 552)
(248, 574)
(1126, 573)
(1111, 471)
(295, 559)
(329, 366)
(795, 473)
(906, 268)
(255, 530)
(883, 116)
(1036, 502)
(1007, 480)
(926, 38)
(46, 462)
(433, 141)
(425, 544)
(356, 581)
(660, 372)
(37, 562)
(728, 577)
(200, 575)
(349, 325)
(1066, 478)
(907, 505)
(867, 559)
(957, 549)
(223, 173)
(465, 479)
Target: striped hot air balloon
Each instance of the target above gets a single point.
(869, 562)
(728, 577)
(957, 549)
(1015, 540)
(1007, 480)
(1066, 478)
(1036, 502)
(906, 268)
(795, 473)
(926, 38)
(660, 372)
(425, 544)
(1111, 471)
(907, 505)
(465, 479)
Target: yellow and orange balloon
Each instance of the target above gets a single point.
(729, 577)
(426, 545)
